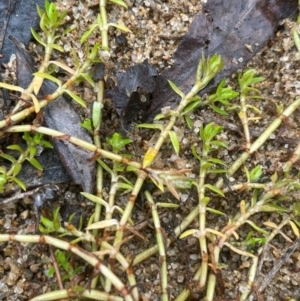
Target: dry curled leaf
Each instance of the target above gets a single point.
(234, 29)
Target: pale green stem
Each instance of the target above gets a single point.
(99, 171)
(161, 248)
(130, 204)
(211, 283)
(202, 225)
(63, 136)
(104, 38)
(108, 215)
(244, 119)
(89, 293)
(244, 186)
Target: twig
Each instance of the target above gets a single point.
(280, 262)
(57, 271)
(18, 196)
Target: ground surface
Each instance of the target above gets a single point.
(156, 32)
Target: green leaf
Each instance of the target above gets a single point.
(11, 87)
(188, 121)
(175, 141)
(48, 76)
(39, 140)
(88, 78)
(76, 98)
(258, 229)
(272, 208)
(19, 182)
(205, 165)
(190, 107)
(97, 113)
(93, 54)
(214, 171)
(87, 124)
(176, 89)
(3, 170)
(118, 142)
(205, 200)
(88, 33)
(216, 161)
(215, 189)
(215, 211)
(8, 157)
(35, 163)
(37, 37)
(52, 12)
(255, 174)
(56, 219)
(95, 199)
(40, 11)
(71, 217)
(16, 168)
(16, 147)
(51, 271)
(247, 79)
(43, 21)
(218, 110)
(43, 229)
(56, 46)
(194, 152)
(160, 116)
(151, 126)
(189, 232)
(218, 144)
(119, 2)
(120, 27)
(32, 151)
(47, 223)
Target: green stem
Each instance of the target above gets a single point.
(99, 172)
(161, 248)
(202, 225)
(63, 136)
(244, 119)
(104, 38)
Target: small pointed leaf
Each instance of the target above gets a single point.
(175, 141)
(215, 189)
(119, 2)
(77, 98)
(120, 27)
(20, 183)
(176, 89)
